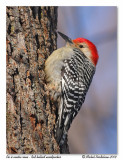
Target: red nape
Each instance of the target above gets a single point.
(91, 46)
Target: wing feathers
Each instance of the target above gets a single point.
(77, 74)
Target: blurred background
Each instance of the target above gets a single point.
(94, 130)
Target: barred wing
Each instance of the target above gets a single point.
(77, 75)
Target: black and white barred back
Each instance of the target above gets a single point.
(77, 75)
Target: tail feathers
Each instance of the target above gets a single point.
(59, 123)
(63, 123)
(58, 133)
(61, 130)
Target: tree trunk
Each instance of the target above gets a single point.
(31, 38)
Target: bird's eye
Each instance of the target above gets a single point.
(81, 46)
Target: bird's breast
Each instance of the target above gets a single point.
(55, 63)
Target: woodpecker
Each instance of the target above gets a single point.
(69, 71)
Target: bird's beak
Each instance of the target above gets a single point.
(66, 38)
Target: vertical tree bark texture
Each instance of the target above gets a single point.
(31, 38)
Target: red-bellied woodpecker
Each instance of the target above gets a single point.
(69, 72)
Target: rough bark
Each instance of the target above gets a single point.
(31, 38)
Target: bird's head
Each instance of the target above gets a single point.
(86, 46)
